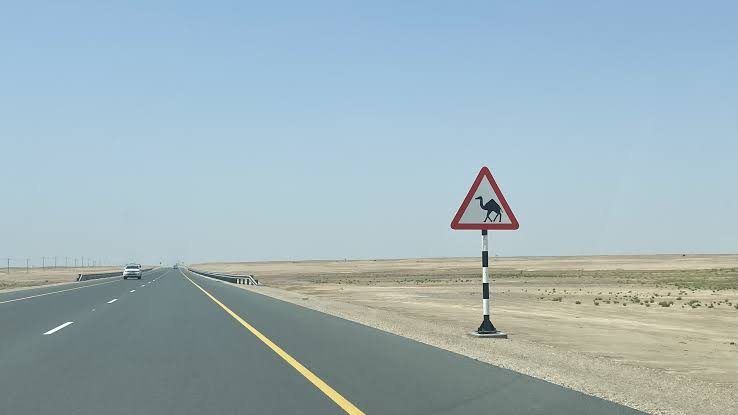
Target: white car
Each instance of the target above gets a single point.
(132, 271)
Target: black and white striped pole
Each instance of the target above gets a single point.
(487, 327)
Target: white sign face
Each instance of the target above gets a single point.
(484, 206)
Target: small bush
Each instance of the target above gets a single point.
(679, 298)
(666, 303)
(556, 299)
(596, 303)
(577, 302)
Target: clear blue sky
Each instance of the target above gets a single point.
(293, 130)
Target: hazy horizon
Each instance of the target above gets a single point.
(236, 132)
(470, 257)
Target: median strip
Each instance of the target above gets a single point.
(331, 393)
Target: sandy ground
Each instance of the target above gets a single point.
(618, 342)
(19, 278)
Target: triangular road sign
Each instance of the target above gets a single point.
(484, 206)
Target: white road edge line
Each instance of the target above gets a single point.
(55, 329)
(56, 292)
(112, 301)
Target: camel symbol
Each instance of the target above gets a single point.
(490, 206)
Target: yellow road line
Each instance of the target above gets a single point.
(315, 380)
(56, 292)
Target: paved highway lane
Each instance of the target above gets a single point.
(192, 345)
(23, 313)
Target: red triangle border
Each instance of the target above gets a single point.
(484, 173)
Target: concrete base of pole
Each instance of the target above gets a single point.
(486, 326)
(495, 335)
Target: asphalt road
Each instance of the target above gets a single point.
(184, 344)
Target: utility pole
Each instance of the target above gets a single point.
(8, 265)
(27, 260)
(54, 262)
(83, 262)
(66, 262)
(43, 262)
(75, 262)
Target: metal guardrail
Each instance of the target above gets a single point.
(87, 277)
(246, 279)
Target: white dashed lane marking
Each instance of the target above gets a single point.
(133, 291)
(55, 329)
(112, 301)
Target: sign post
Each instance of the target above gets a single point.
(491, 201)
(486, 327)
